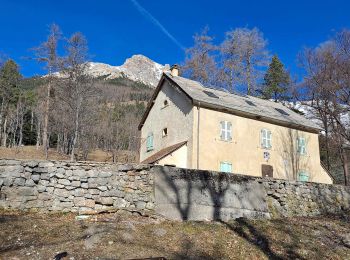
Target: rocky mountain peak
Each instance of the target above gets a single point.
(138, 68)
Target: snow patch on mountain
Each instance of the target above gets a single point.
(137, 68)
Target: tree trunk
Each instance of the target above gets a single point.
(38, 135)
(76, 130)
(4, 135)
(46, 113)
(249, 84)
(345, 167)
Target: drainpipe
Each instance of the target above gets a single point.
(198, 120)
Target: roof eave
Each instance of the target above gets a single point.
(255, 116)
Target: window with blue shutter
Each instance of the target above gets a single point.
(301, 144)
(266, 139)
(225, 167)
(149, 142)
(226, 131)
(303, 176)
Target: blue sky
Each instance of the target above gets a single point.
(118, 29)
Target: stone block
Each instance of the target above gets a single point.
(140, 204)
(32, 164)
(124, 167)
(64, 182)
(85, 185)
(61, 193)
(19, 182)
(46, 164)
(35, 178)
(79, 192)
(106, 201)
(104, 174)
(79, 173)
(102, 188)
(45, 176)
(41, 188)
(30, 183)
(76, 183)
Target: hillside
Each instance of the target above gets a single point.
(137, 68)
(126, 236)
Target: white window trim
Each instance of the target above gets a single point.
(225, 132)
(302, 151)
(148, 148)
(266, 142)
(225, 162)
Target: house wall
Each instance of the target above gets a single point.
(178, 158)
(245, 151)
(177, 117)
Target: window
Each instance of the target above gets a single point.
(165, 132)
(210, 94)
(303, 176)
(166, 103)
(301, 144)
(225, 167)
(149, 142)
(250, 103)
(226, 131)
(282, 112)
(266, 138)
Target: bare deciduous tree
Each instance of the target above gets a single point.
(244, 54)
(47, 54)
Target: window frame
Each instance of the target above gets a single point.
(266, 135)
(304, 173)
(165, 132)
(150, 142)
(301, 149)
(226, 131)
(226, 163)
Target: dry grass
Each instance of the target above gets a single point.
(31, 152)
(113, 236)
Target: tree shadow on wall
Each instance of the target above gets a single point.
(215, 186)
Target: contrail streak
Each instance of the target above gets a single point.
(149, 16)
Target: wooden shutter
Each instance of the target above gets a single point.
(222, 132)
(229, 129)
(303, 176)
(268, 139)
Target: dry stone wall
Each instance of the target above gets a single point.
(175, 193)
(75, 187)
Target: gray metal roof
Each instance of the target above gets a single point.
(251, 106)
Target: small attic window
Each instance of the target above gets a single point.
(210, 94)
(250, 103)
(166, 103)
(282, 112)
(165, 132)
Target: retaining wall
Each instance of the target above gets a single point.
(75, 187)
(175, 193)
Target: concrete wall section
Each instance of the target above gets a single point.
(203, 195)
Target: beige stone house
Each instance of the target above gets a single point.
(190, 126)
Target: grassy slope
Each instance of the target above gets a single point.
(113, 236)
(31, 153)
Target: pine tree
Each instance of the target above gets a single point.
(276, 81)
